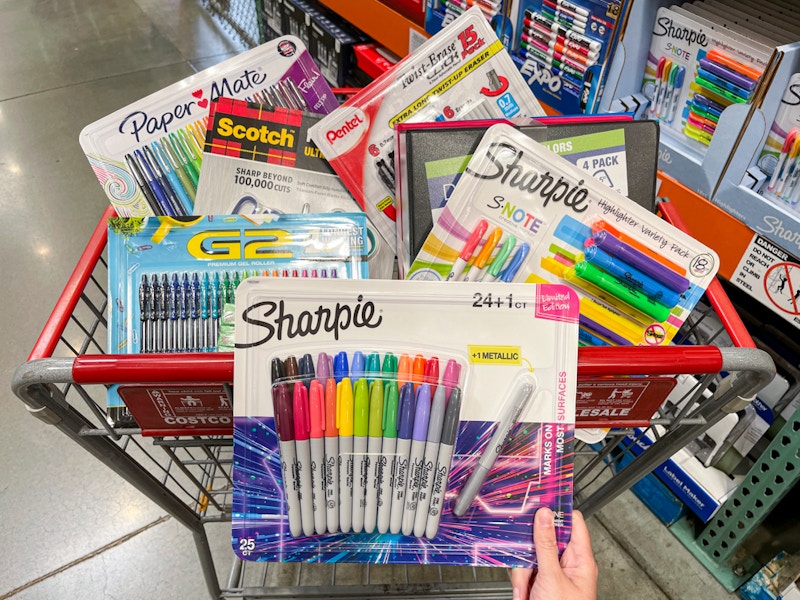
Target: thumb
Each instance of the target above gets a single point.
(544, 540)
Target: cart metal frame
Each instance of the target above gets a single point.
(64, 383)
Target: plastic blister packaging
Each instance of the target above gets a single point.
(522, 213)
(463, 72)
(169, 279)
(147, 155)
(375, 397)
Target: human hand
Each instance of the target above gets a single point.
(574, 577)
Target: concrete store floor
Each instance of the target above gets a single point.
(71, 528)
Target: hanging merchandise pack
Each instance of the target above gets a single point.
(356, 439)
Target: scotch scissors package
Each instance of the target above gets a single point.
(357, 440)
(463, 72)
(520, 212)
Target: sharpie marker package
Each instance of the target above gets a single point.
(147, 155)
(694, 72)
(522, 213)
(779, 157)
(168, 279)
(357, 440)
(463, 72)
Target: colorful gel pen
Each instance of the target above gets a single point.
(302, 430)
(180, 172)
(510, 271)
(316, 413)
(508, 419)
(405, 430)
(429, 458)
(386, 466)
(374, 456)
(482, 259)
(186, 163)
(163, 183)
(345, 407)
(153, 184)
(787, 146)
(136, 171)
(657, 89)
(172, 177)
(332, 457)
(499, 260)
(443, 463)
(360, 441)
(284, 426)
(457, 272)
(422, 415)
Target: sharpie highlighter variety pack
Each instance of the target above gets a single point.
(147, 155)
(355, 440)
(520, 213)
(462, 72)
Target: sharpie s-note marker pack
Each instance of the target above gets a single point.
(780, 157)
(147, 155)
(520, 212)
(462, 72)
(358, 439)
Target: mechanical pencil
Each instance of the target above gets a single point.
(430, 455)
(443, 463)
(492, 450)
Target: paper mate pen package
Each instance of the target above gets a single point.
(520, 212)
(169, 278)
(781, 152)
(562, 49)
(147, 155)
(357, 439)
(463, 72)
(694, 72)
(258, 159)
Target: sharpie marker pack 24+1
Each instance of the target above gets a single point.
(374, 423)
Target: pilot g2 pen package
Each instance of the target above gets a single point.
(147, 155)
(357, 439)
(694, 72)
(520, 212)
(463, 72)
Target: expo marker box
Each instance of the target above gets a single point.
(515, 374)
(520, 212)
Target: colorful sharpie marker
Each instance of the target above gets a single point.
(422, 415)
(344, 422)
(374, 456)
(360, 441)
(284, 426)
(429, 458)
(302, 429)
(332, 457)
(482, 259)
(457, 272)
(498, 261)
(405, 429)
(316, 414)
(443, 463)
(386, 466)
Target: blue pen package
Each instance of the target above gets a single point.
(356, 441)
(147, 155)
(522, 213)
(170, 278)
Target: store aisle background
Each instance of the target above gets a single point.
(72, 528)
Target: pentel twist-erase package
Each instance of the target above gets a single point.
(147, 155)
(463, 72)
(168, 279)
(520, 212)
(358, 439)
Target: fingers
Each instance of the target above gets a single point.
(544, 540)
(520, 583)
(579, 540)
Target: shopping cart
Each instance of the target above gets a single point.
(188, 474)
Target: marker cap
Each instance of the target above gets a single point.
(389, 368)
(306, 365)
(278, 372)
(373, 368)
(284, 419)
(361, 408)
(291, 367)
(405, 414)
(344, 407)
(302, 423)
(422, 412)
(340, 366)
(376, 399)
(404, 369)
(437, 415)
(451, 418)
(452, 374)
(323, 367)
(391, 404)
(316, 409)
(330, 426)
(357, 366)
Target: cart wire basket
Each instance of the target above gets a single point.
(187, 472)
